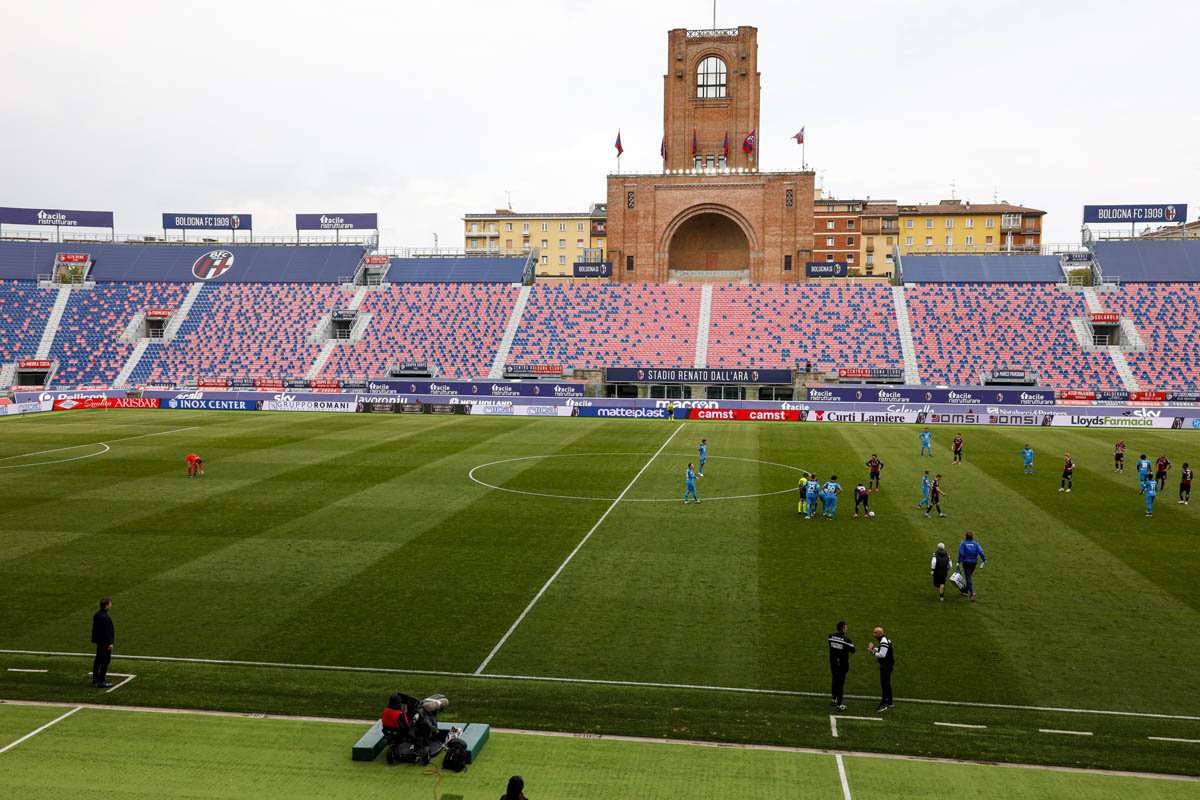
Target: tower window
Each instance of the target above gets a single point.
(710, 78)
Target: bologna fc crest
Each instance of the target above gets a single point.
(212, 264)
(1170, 215)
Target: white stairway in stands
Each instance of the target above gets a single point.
(907, 348)
(181, 313)
(134, 357)
(702, 327)
(1115, 353)
(331, 345)
(8, 373)
(56, 313)
(510, 333)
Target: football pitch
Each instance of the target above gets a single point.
(545, 575)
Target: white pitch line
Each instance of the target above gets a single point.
(127, 676)
(93, 444)
(833, 718)
(1068, 733)
(1173, 739)
(14, 669)
(60, 460)
(774, 748)
(958, 725)
(582, 542)
(605, 682)
(842, 777)
(8, 747)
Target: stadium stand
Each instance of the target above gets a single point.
(243, 329)
(981, 269)
(86, 343)
(457, 270)
(960, 329)
(589, 326)
(24, 309)
(173, 263)
(1150, 261)
(456, 326)
(833, 325)
(1165, 315)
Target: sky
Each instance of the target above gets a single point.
(424, 112)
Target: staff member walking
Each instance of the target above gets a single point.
(103, 638)
(886, 656)
(970, 555)
(940, 567)
(840, 648)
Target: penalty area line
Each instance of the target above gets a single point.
(31, 734)
(566, 561)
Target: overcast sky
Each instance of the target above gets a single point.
(424, 112)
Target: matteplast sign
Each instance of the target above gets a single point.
(1163, 213)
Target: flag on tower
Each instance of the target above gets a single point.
(726, 145)
(799, 137)
(748, 144)
(693, 141)
(618, 145)
(662, 151)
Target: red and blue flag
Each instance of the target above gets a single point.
(726, 145)
(618, 145)
(748, 144)
(693, 141)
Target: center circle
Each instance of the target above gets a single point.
(473, 470)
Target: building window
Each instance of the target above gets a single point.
(991, 222)
(508, 244)
(829, 256)
(829, 241)
(787, 260)
(908, 240)
(562, 260)
(970, 240)
(629, 204)
(545, 227)
(969, 222)
(787, 201)
(721, 161)
(491, 227)
(545, 259)
(698, 162)
(870, 259)
(710, 78)
(579, 227)
(829, 224)
(710, 161)
(545, 244)
(949, 240)
(579, 243)
(949, 222)
(562, 244)
(524, 227)
(474, 227)
(929, 241)
(849, 224)
(562, 227)
(889, 241)
(508, 227)
(849, 258)
(1028, 240)
(849, 241)
(629, 263)
(474, 244)
(928, 223)
(908, 223)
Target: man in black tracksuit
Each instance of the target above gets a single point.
(887, 662)
(840, 648)
(102, 637)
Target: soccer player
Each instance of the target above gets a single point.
(1119, 457)
(958, 440)
(1027, 454)
(691, 485)
(925, 488)
(811, 489)
(1150, 489)
(832, 490)
(926, 442)
(1143, 468)
(1185, 484)
(1160, 471)
(935, 496)
(862, 497)
(703, 455)
(1068, 467)
(874, 465)
(195, 465)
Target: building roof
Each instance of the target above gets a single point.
(887, 209)
(966, 207)
(503, 213)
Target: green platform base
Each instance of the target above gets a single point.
(474, 734)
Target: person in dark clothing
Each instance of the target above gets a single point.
(103, 638)
(1185, 484)
(875, 465)
(840, 648)
(886, 657)
(941, 566)
(515, 790)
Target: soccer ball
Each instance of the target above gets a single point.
(870, 513)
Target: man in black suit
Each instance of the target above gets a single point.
(102, 637)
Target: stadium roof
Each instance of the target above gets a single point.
(981, 269)
(457, 270)
(1150, 261)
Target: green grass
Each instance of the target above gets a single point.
(151, 755)
(359, 541)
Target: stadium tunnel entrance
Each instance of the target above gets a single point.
(709, 241)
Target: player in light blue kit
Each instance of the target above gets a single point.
(1150, 489)
(1027, 454)
(925, 488)
(703, 455)
(1143, 468)
(811, 489)
(691, 486)
(926, 442)
(832, 490)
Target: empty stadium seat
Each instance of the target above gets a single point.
(24, 309)
(1166, 316)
